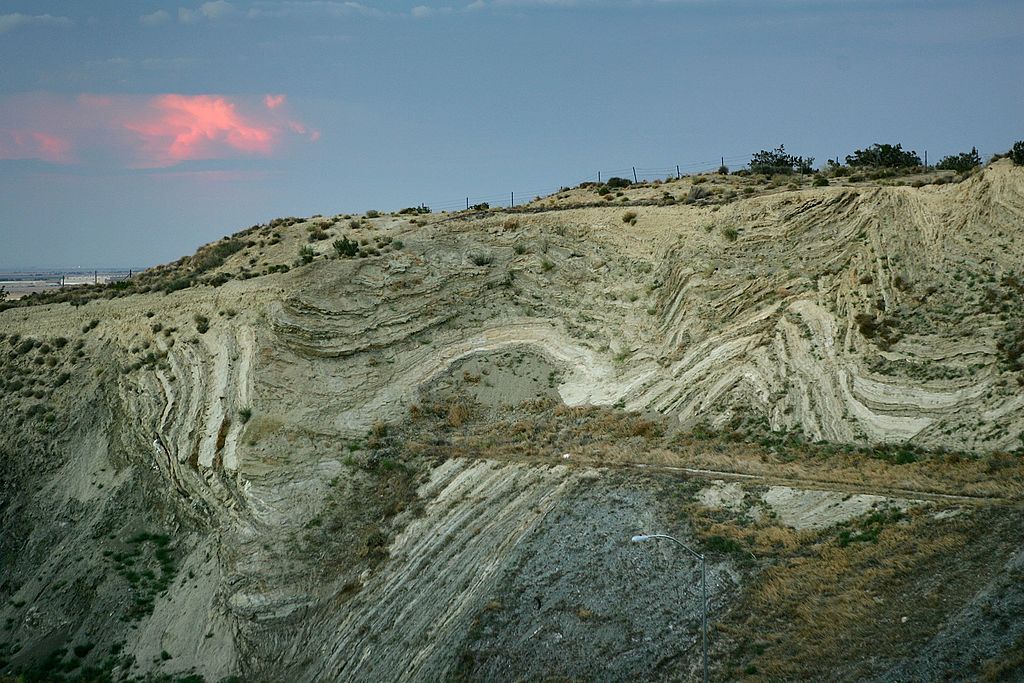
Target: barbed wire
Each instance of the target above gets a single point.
(631, 173)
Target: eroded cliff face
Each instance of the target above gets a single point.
(426, 464)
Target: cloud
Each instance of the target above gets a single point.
(186, 127)
(217, 9)
(130, 131)
(312, 9)
(273, 101)
(9, 22)
(155, 19)
(34, 144)
(212, 11)
(423, 11)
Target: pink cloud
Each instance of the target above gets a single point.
(34, 144)
(186, 127)
(144, 132)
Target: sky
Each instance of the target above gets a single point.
(132, 132)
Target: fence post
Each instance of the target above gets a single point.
(513, 203)
(467, 203)
(598, 177)
(678, 174)
(634, 175)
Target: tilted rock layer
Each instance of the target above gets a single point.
(224, 421)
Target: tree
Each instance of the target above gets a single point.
(1017, 152)
(884, 156)
(779, 161)
(961, 163)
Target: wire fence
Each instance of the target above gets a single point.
(516, 197)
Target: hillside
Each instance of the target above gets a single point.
(420, 454)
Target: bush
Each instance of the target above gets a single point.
(961, 163)
(202, 323)
(884, 156)
(346, 247)
(723, 170)
(372, 214)
(820, 181)
(629, 217)
(306, 254)
(619, 182)
(730, 234)
(778, 161)
(481, 259)
(1017, 153)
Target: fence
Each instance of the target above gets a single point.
(633, 173)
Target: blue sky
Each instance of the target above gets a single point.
(132, 132)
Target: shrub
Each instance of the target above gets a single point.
(961, 163)
(772, 162)
(346, 247)
(372, 213)
(629, 217)
(723, 170)
(696, 192)
(481, 259)
(482, 206)
(730, 234)
(820, 181)
(202, 323)
(306, 254)
(398, 244)
(619, 182)
(1017, 153)
(884, 156)
(244, 414)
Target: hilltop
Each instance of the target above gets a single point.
(413, 446)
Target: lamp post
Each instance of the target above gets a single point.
(703, 588)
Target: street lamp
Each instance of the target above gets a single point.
(703, 587)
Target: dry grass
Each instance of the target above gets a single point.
(819, 605)
(603, 436)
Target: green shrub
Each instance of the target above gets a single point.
(372, 213)
(961, 163)
(346, 247)
(306, 254)
(820, 181)
(244, 414)
(884, 156)
(481, 259)
(778, 161)
(730, 234)
(629, 217)
(202, 323)
(619, 182)
(1017, 153)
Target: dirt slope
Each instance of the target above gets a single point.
(421, 462)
